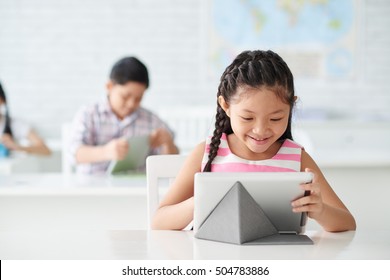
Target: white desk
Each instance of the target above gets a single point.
(53, 216)
(20, 162)
(181, 245)
(36, 184)
(57, 201)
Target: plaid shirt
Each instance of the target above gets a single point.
(97, 125)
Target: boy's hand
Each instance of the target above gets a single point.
(312, 203)
(160, 137)
(117, 149)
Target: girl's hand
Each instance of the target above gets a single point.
(312, 203)
(9, 142)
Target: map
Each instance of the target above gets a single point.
(317, 38)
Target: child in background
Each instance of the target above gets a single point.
(17, 135)
(252, 133)
(100, 131)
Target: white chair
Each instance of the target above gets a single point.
(159, 168)
(67, 166)
(191, 124)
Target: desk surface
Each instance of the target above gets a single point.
(59, 184)
(365, 192)
(50, 201)
(143, 244)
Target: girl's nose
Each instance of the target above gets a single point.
(260, 128)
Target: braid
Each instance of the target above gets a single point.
(221, 119)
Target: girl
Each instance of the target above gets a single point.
(252, 133)
(13, 131)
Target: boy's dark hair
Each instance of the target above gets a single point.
(7, 126)
(129, 69)
(255, 69)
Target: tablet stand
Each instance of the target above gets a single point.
(238, 219)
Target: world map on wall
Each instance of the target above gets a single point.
(317, 38)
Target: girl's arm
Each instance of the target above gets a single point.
(37, 145)
(323, 204)
(176, 210)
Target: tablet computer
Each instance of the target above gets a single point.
(135, 158)
(273, 191)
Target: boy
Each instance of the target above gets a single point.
(100, 131)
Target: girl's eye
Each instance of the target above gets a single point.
(276, 119)
(246, 119)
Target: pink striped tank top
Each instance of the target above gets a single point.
(287, 159)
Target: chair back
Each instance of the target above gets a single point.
(67, 166)
(160, 169)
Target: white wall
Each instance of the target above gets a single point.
(55, 56)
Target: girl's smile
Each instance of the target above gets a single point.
(258, 119)
(258, 141)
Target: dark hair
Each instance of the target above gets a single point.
(255, 69)
(129, 69)
(7, 126)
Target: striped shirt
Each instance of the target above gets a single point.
(97, 125)
(287, 159)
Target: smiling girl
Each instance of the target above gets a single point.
(252, 133)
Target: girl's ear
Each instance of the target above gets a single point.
(224, 105)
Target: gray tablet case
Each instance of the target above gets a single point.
(238, 219)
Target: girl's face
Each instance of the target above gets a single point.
(125, 99)
(258, 118)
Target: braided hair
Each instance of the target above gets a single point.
(7, 126)
(255, 69)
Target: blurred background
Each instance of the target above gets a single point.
(55, 56)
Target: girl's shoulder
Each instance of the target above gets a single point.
(308, 162)
(199, 149)
(288, 143)
(193, 162)
(20, 128)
